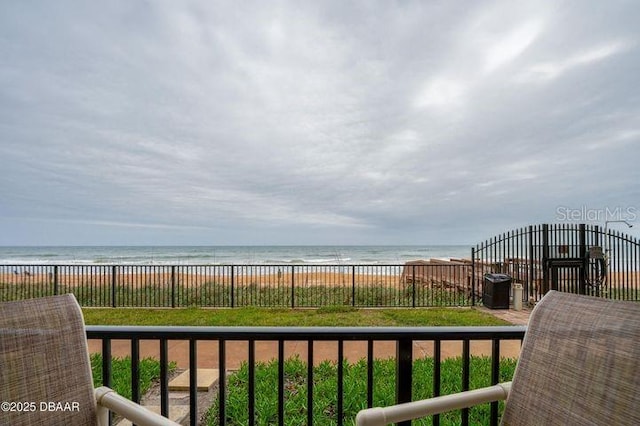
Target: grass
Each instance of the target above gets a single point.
(149, 369)
(355, 385)
(213, 294)
(328, 316)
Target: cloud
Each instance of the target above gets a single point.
(509, 46)
(311, 122)
(552, 70)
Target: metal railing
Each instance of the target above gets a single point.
(559, 257)
(405, 338)
(243, 285)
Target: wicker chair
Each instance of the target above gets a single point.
(45, 373)
(579, 365)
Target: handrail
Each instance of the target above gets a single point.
(303, 333)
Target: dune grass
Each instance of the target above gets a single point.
(217, 295)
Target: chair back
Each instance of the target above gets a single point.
(45, 372)
(579, 364)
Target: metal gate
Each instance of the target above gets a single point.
(576, 258)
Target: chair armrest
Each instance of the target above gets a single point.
(109, 399)
(412, 410)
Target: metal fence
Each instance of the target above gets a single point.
(575, 258)
(405, 338)
(242, 285)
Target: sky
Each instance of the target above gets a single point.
(315, 122)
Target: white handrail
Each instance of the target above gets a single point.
(412, 410)
(108, 398)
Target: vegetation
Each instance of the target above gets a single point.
(213, 294)
(355, 388)
(121, 373)
(329, 316)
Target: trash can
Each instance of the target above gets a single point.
(495, 291)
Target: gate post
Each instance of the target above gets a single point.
(473, 276)
(531, 282)
(582, 237)
(545, 258)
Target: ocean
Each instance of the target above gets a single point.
(227, 255)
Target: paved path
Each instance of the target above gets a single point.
(237, 352)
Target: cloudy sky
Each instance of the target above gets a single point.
(315, 122)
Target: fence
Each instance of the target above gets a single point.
(405, 382)
(576, 258)
(243, 285)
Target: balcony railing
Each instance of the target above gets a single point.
(406, 341)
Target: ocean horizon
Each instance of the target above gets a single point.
(228, 255)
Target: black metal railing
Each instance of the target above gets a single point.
(243, 285)
(405, 338)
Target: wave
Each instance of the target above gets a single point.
(237, 255)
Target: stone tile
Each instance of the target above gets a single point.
(207, 377)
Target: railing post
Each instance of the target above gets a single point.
(106, 367)
(293, 286)
(233, 268)
(135, 370)
(164, 378)
(193, 381)
(404, 372)
(173, 286)
(55, 280)
(113, 286)
(353, 285)
(413, 286)
(495, 377)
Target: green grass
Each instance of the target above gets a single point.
(149, 369)
(213, 294)
(325, 386)
(328, 316)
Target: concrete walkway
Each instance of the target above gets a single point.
(520, 317)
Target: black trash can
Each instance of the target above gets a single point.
(495, 291)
